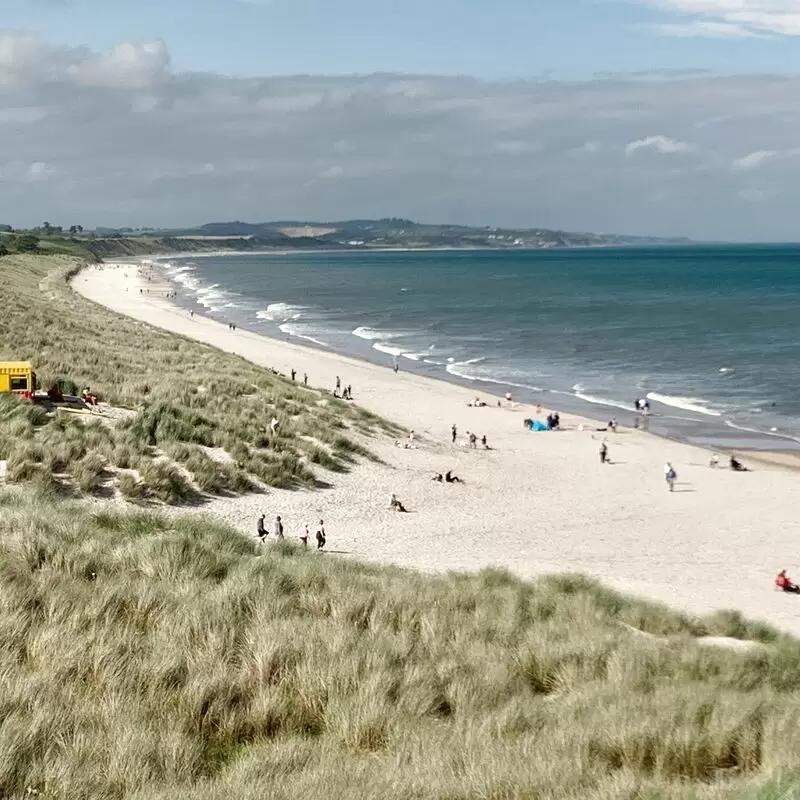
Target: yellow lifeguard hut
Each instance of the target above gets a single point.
(17, 377)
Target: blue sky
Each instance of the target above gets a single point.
(662, 117)
(566, 39)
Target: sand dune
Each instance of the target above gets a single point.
(536, 503)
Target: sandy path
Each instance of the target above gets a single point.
(537, 503)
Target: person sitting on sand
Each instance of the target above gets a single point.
(737, 465)
(784, 583)
(437, 477)
(713, 461)
(89, 397)
(54, 394)
(473, 441)
(450, 478)
(396, 505)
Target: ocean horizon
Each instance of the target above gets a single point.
(710, 334)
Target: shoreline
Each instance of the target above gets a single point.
(322, 349)
(536, 503)
(786, 459)
(667, 421)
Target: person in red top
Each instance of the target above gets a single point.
(783, 582)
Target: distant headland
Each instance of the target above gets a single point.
(357, 234)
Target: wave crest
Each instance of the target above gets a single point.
(694, 404)
(281, 312)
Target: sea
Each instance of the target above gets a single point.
(709, 334)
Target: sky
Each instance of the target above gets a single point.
(660, 117)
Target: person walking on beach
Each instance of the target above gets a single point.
(304, 537)
(261, 530)
(274, 425)
(396, 368)
(473, 441)
(603, 453)
(278, 527)
(338, 383)
(454, 433)
(305, 379)
(670, 475)
(321, 535)
(293, 375)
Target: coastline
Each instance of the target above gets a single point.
(536, 503)
(670, 419)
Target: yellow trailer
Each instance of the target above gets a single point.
(18, 378)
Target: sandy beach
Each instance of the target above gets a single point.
(535, 502)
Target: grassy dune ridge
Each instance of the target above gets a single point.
(151, 657)
(188, 398)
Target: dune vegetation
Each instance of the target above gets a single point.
(153, 656)
(144, 656)
(188, 420)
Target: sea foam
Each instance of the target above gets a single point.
(694, 404)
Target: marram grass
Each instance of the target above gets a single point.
(182, 396)
(151, 657)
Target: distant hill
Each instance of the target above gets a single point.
(394, 232)
(354, 234)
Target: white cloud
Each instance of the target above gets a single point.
(733, 18)
(753, 160)
(332, 172)
(134, 64)
(659, 144)
(21, 172)
(26, 58)
(120, 138)
(707, 29)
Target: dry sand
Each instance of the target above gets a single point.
(536, 503)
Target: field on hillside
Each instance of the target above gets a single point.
(189, 420)
(153, 658)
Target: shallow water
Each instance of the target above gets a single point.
(711, 335)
